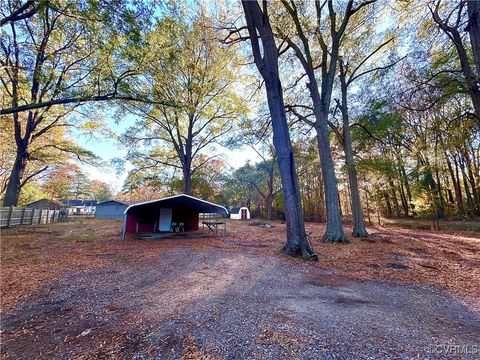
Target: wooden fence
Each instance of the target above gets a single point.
(10, 216)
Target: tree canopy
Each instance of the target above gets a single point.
(355, 109)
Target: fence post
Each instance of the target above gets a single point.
(9, 219)
(33, 216)
(23, 216)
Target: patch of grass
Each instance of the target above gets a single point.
(474, 227)
(426, 224)
(410, 224)
(78, 238)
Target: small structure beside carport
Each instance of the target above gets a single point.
(45, 204)
(111, 209)
(158, 215)
(240, 213)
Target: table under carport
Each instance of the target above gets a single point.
(178, 213)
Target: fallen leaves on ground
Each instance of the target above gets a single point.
(32, 256)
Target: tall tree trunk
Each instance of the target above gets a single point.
(404, 178)
(267, 63)
(187, 182)
(470, 202)
(12, 191)
(453, 33)
(348, 200)
(456, 184)
(450, 196)
(187, 158)
(334, 230)
(339, 203)
(307, 200)
(405, 192)
(296, 237)
(388, 204)
(359, 229)
(473, 8)
(16, 175)
(368, 206)
(269, 206)
(270, 194)
(396, 205)
(435, 195)
(440, 193)
(320, 208)
(471, 180)
(321, 93)
(403, 198)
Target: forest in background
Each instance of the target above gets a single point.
(381, 99)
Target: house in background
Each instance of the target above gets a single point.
(111, 209)
(45, 204)
(240, 213)
(80, 207)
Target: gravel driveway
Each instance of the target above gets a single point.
(235, 303)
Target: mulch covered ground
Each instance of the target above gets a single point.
(74, 290)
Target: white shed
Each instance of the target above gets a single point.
(240, 213)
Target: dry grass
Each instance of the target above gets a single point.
(33, 256)
(428, 224)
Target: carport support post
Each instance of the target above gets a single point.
(225, 227)
(124, 227)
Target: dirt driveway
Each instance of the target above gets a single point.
(235, 298)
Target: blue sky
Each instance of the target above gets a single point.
(106, 149)
(109, 148)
